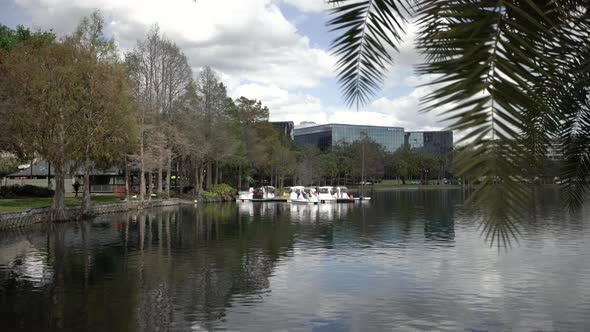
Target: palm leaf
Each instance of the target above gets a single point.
(370, 30)
(490, 58)
(513, 77)
(572, 96)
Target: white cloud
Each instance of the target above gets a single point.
(405, 60)
(258, 52)
(407, 111)
(402, 111)
(250, 40)
(280, 101)
(313, 6)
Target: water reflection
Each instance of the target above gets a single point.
(408, 260)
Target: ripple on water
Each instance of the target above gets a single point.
(408, 260)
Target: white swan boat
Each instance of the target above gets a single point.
(265, 193)
(327, 194)
(303, 195)
(342, 196)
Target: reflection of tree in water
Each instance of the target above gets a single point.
(400, 215)
(135, 272)
(84, 271)
(439, 215)
(217, 255)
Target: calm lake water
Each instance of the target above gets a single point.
(408, 260)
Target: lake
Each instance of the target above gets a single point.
(408, 260)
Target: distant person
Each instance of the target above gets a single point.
(76, 186)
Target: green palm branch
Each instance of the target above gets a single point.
(512, 76)
(369, 30)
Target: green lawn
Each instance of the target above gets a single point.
(21, 204)
(394, 184)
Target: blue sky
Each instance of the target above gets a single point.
(273, 50)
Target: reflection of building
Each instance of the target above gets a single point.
(434, 143)
(325, 136)
(285, 127)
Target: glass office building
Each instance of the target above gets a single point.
(434, 143)
(285, 127)
(325, 136)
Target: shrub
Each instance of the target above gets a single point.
(24, 191)
(209, 196)
(163, 195)
(223, 190)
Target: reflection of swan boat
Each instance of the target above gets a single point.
(246, 209)
(303, 195)
(304, 213)
(326, 211)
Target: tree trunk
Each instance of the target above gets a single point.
(179, 188)
(86, 203)
(159, 181)
(196, 180)
(141, 172)
(168, 172)
(216, 172)
(271, 176)
(150, 185)
(239, 177)
(126, 179)
(199, 179)
(58, 209)
(209, 171)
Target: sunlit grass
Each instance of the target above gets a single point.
(22, 204)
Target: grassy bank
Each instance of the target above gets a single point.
(22, 204)
(392, 184)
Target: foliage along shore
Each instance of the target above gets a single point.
(76, 99)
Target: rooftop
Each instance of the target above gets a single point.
(41, 168)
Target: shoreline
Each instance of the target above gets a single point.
(32, 216)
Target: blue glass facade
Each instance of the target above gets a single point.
(434, 143)
(414, 140)
(325, 136)
(320, 136)
(285, 127)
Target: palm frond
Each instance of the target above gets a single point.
(371, 29)
(573, 99)
(575, 139)
(513, 77)
(576, 150)
(490, 58)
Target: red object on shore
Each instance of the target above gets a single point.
(119, 190)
